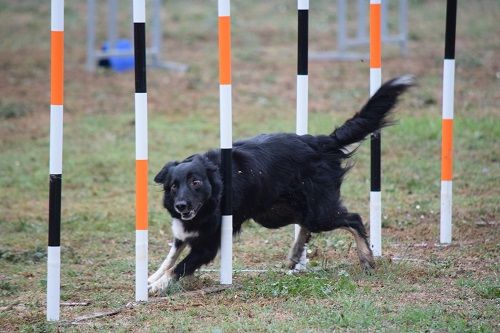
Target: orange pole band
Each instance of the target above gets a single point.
(225, 49)
(447, 150)
(56, 67)
(375, 36)
(141, 199)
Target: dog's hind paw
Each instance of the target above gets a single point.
(295, 266)
(291, 264)
(367, 264)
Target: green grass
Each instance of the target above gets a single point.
(309, 285)
(488, 288)
(414, 288)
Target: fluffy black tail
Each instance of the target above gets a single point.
(373, 116)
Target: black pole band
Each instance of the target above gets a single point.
(451, 27)
(226, 167)
(375, 169)
(302, 41)
(55, 210)
(140, 57)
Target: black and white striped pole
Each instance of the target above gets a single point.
(226, 141)
(302, 90)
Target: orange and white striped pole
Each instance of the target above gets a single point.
(375, 167)
(226, 141)
(447, 123)
(141, 152)
(55, 161)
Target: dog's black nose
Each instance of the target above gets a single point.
(181, 206)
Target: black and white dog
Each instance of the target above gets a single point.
(278, 179)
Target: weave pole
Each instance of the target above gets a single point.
(447, 123)
(226, 141)
(375, 170)
(141, 152)
(302, 89)
(55, 160)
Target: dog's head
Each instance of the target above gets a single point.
(191, 186)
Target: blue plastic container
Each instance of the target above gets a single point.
(119, 63)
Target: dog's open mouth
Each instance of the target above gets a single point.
(189, 215)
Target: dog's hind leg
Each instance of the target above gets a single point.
(169, 261)
(298, 248)
(352, 222)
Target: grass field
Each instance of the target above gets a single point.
(417, 286)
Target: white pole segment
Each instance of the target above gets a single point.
(56, 139)
(57, 15)
(224, 7)
(226, 250)
(226, 121)
(302, 104)
(139, 9)
(446, 212)
(141, 265)
(141, 126)
(375, 80)
(53, 282)
(448, 88)
(376, 223)
(302, 4)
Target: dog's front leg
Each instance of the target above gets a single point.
(162, 282)
(169, 262)
(199, 255)
(194, 260)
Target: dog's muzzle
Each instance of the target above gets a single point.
(187, 213)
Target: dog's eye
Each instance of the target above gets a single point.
(196, 183)
(173, 188)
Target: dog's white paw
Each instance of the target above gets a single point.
(159, 285)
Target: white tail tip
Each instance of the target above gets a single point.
(405, 80)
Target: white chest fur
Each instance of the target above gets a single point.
(179, 231)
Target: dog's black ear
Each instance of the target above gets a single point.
(209, 165)
(161, 177)
(213, 176)
(191, 158)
